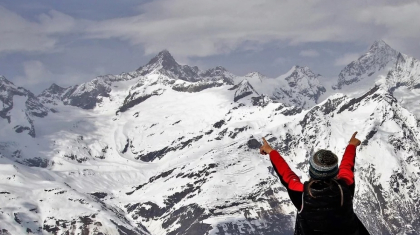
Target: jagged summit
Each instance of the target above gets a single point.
(218, 70)
(304, 70)
(4, 80)
(378, 60)
(380, 45)
(54, 88)
(164, 59)
(243, 89)
(255, 75)
(303, 87)
(165, 64)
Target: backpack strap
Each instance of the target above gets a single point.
(341, 191)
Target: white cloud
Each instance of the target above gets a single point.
(346, 59)
(203, 28)
(34, 72)
(37, 76)
(309, 53)
(18, 34)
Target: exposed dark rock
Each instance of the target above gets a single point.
(134, 99)
(147, 210)
(196, 87)
(125, 231)
(189, 220)
(51, 229)
(261, 100)
(201, 173)
(243, 89)
(74, 157)
(151, 156)
(152, 179)
(369, 136)
(4, 232)
(221, 134)
(353, 102)
(99, 195)
(219, 124)
(20, 129)
(242, 95)
(176, 122)
(292, 111)
(178, 196)
(236, 131)
(254, 144)
(17, 218)
(126, 146)
(272, 139)
(36, 162)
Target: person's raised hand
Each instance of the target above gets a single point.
(265, 148)
(354, 141)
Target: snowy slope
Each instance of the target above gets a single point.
(158, 154)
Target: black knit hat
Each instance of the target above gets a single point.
(323, 165)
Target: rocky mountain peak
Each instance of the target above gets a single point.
(56, 89)
(165, 64)
(301, 87)
(3, 80)
(380, 45)
(163, 60)
(299, 75)
(381, 52)
(380, 58)
(255, 75)
(217, 71)
(243, 89)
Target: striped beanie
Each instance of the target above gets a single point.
(323, 165)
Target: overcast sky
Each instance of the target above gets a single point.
(69, 42)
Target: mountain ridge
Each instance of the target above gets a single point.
(162, 155)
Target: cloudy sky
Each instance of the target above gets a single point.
(69, 42)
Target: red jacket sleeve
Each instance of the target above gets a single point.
(287, 175)
(346, 168)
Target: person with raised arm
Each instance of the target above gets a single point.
(325, 202)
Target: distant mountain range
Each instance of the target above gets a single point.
(172, 149)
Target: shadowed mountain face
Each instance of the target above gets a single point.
(171, 149)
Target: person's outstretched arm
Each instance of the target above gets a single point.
(346, 169)
(287, 177)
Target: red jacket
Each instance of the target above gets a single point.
(292, 182)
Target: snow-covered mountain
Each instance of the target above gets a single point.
(298, 87)
(169, 149)
(364, 71)
(19, 107)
